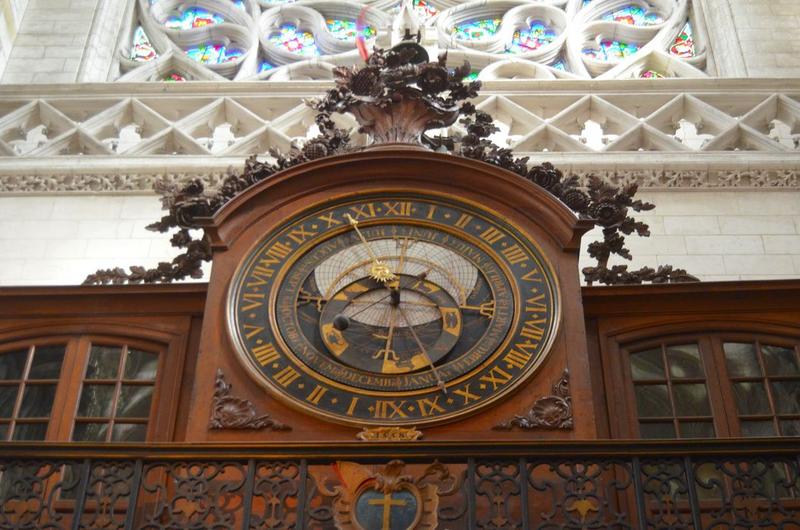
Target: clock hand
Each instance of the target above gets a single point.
(379, 270)
(439, 381)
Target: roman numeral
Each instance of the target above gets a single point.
(316, 394)
(332, 221)
(463, 221)
(365, 211)
(266, 354)
(400, 208)
(517, 359)
(255, 300)
(466, 394)
(286, 376)
(535, 303)
(299, 235)
(389, 409)
(492, 235)
(514, 254)
(273, 256)
(254, 330)
(497, 377)
(431, 211)
(532, 276)
(352, 408)
(429, 407)
(532, 330)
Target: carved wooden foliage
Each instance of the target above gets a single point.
(548, 412)
(231, 412)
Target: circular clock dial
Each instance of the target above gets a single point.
(393, 309)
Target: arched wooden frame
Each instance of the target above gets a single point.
(78, 339)
(709, 335)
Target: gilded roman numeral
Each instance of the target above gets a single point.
(497, 377)
(399, 208)
(352, 408)
(251, 301)
(492, 235)
(466, 394)
(533, 276)
(316, 394)
(330, 219)
(299, 235)
(286, 376)
(517, 359)
(252, 330)
(535, 303)
(429, 407)
(389, 409)
(266, 353)
(463, 221)
(431, 211)
(532, 330)
(364, 211)
(514, 254)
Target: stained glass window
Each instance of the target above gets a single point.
(611, 50)
(142, 49)
(213, 53)
(476, 30)
(264, 29)
(634, 15)
(294, 40)
(346, 29)
(683, 45)
(538, 34)
(193, 17)
(173, 77)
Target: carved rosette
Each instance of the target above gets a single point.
(547, 412)
(231, 412)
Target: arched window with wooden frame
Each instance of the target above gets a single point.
(87, 387)
(701, 384)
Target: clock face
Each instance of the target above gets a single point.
(393, 309)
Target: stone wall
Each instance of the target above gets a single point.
(724, 235)
(11, 13)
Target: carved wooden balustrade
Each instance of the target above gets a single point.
(574, 485)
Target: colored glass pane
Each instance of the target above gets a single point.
(651, 74)
(238, 3)
(346, 29)
(472, 76)
(634, 15)
(477, 30)
(425, 9)
(295, 41)
(142, 50)
(173, 77)
(212, 53)
(538, 34)
(560, 64)
(683, 45)
(264, 66)
(611, 50)
(193, 17)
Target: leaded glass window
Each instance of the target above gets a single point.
(282, 39)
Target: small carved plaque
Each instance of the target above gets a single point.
(389, 434)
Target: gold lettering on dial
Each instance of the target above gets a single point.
(492, 235)
(364, 211)
(497, 377)
(316, 394)
(286, 376)
(387, 409)
(466, 394)
(266, 353)
(463, 221)
(514, 254)
(429, 407)
(399, 208)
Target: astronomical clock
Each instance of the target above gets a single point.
(384, 292)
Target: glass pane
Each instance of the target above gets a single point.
(96, 401)
(786, 396)
(653, 401)
(741, 359)
(90, 432)
(29, 431)
(12, 364)
(697, 429)
(37, 401)
(103, 362)
(3, 431)
(691, 400)
(134, 401)
(141, 365)
(790, 428)
(684, 361)
(46, 362)
(757, 428)
(8, 396)
(129, 432)
(657, 430)
(751, 398)
(647, 365)
(780, 361)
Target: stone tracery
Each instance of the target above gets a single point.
(279, 39)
